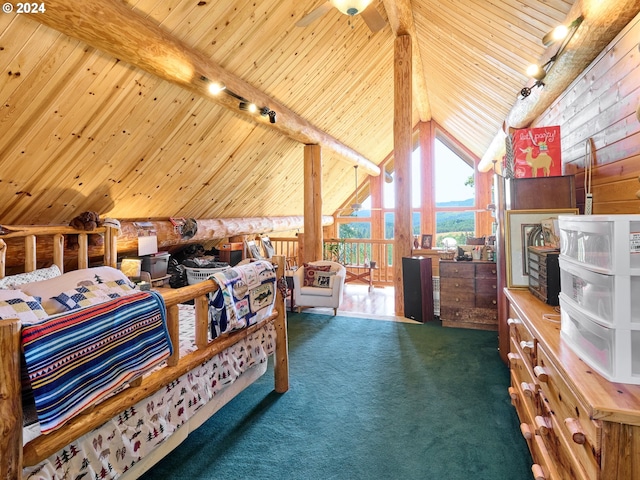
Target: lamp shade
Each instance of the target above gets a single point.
(351, 7)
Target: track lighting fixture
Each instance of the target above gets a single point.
(244, 104)
(537, 72)
(247, 106)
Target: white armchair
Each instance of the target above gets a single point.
(326, 287)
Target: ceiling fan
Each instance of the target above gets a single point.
(356, 206)
(369, 14)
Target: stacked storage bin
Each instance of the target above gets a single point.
(600, 292)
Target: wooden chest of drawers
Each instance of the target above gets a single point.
(544, 274)
(577, 424)
(468, 294)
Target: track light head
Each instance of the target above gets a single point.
(248, 107)
(272, 116)
(537, 72)
(264, 111)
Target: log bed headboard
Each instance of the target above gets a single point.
(28, 233)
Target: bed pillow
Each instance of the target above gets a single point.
(324, 279)
(13, 281)
(310, 272)
(47, 290)
(15, 304)
(85, 296)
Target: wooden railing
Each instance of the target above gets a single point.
(348, 251)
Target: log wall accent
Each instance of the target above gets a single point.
(402, 136)
(169, 237)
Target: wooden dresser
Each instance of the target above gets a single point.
(468, 294)
(578, 425)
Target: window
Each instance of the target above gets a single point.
(455, 195)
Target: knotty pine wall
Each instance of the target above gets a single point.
(601, 104)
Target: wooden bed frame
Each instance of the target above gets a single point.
(13, 456)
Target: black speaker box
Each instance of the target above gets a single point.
(418, 288)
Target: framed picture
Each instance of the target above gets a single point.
(426, 242)
(519, 224)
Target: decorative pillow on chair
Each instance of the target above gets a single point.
(15, 304)
(324, 279)
(310, 272)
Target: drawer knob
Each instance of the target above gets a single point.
(542, 425)
(494, 271)
(538, 473)
(513, 393)
(513, 321)
(528, 389)
(513, 358)
(526, 431)
(577, 435)
(457, 284)
(541, 374)
(527, 347)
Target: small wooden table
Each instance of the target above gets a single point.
(362, 273)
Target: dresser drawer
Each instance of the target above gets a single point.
(571, 461)
(487, 301)
(486, 286)
(486, 270)
(524, 384)
(458, 285)
(457, 269)
(583, 435)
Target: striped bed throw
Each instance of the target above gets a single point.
(80, 357)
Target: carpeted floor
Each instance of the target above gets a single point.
(369, 399)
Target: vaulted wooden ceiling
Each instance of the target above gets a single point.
(83, 129)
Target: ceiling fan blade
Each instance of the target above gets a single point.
(373, 19)
(314, 15)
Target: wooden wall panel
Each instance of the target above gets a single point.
(601, 105)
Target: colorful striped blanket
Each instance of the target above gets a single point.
(80, 357)
(246, 295)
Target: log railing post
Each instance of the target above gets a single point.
(281, 363)
(10, 401)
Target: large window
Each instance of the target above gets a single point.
(455, 195)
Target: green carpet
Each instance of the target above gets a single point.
(368, 399)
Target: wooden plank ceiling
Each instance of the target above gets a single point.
(83, 130)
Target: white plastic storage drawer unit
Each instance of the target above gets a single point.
(612, 352)
(613, 300)
(607, 244)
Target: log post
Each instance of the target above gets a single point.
(10, 401)
(312, 203)
(402, 133)
(281, 363)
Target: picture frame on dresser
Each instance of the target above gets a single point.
(517, 223)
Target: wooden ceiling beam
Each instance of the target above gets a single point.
(602, 22)
(113, 27)
(400, 15)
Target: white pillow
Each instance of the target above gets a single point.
(48, 289)
(15, 304)
(13, 281)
